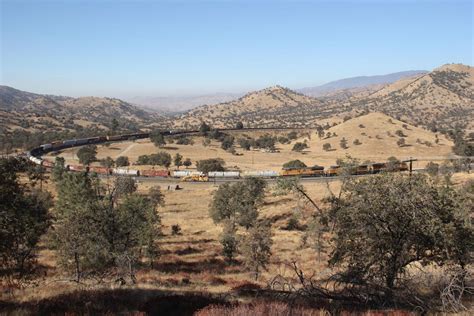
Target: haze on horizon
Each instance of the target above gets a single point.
(144, 48)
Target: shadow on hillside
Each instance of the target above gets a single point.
(118, 301)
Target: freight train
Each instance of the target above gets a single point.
(35, 154)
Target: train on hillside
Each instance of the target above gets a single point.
(35, 154)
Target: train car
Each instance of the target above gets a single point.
(260, 174)
(402, 166)
(362, 169)
(93, 140)
(186, 173)
(36, 161)
(82, 141)
(136, 135)
(224, 174)
(47, 147)
(155, 173)
(378, 167)
(78, 168)
(333, 171)
(69, 143)
(115, 137)
(125, 172)
(100, 170)
(57, 145)
(48, 163)
(315, 171)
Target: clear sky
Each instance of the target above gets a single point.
(143, 48)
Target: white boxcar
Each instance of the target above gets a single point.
(186, 173)
(125, 172)
(223, 174)
(35, 160)
(261, 173)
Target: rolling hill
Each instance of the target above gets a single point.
(441, 99)
(274, 106)
(35, 112)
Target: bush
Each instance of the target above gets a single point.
(183, 140)
(227, 142)
(292, 135)
(343, 143)
(87, 154)
(244, 143)
(401, 142)
(299, 147)
(175, 230)
(214, 164)
(122, 161)
(357, 142)
(409, 219)
(294, 164)
(327, 146)
(157, 138)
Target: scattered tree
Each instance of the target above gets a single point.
(178, 160)
(122, 161)
(256, 248)
(213, 164)
(294, 164)
(299, 147)
(87, 154)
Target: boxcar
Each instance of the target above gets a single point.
(155, 173)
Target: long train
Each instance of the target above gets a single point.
(35, 154)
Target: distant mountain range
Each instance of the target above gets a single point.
(177, 104)
(359, 82)
(343, 87)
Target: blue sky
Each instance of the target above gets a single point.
(138, 48)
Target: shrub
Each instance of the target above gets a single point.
(122, 161)
(401, 142)
(409, 219)
(343, 143)
(87, 154)
(157, 138)
(175, 230)
(327, 146)
(213, 164)
(299, 147)
(244, 143)
(294, 164)
(357, 142)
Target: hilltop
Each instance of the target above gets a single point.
(21, 110)
(440, 99)
(273, 106)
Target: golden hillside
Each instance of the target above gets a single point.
(274, 106)
(440, 99)
(21, 110)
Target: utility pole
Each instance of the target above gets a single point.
(411, 164)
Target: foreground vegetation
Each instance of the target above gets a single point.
(372, 236)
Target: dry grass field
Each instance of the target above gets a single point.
(191, 261)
